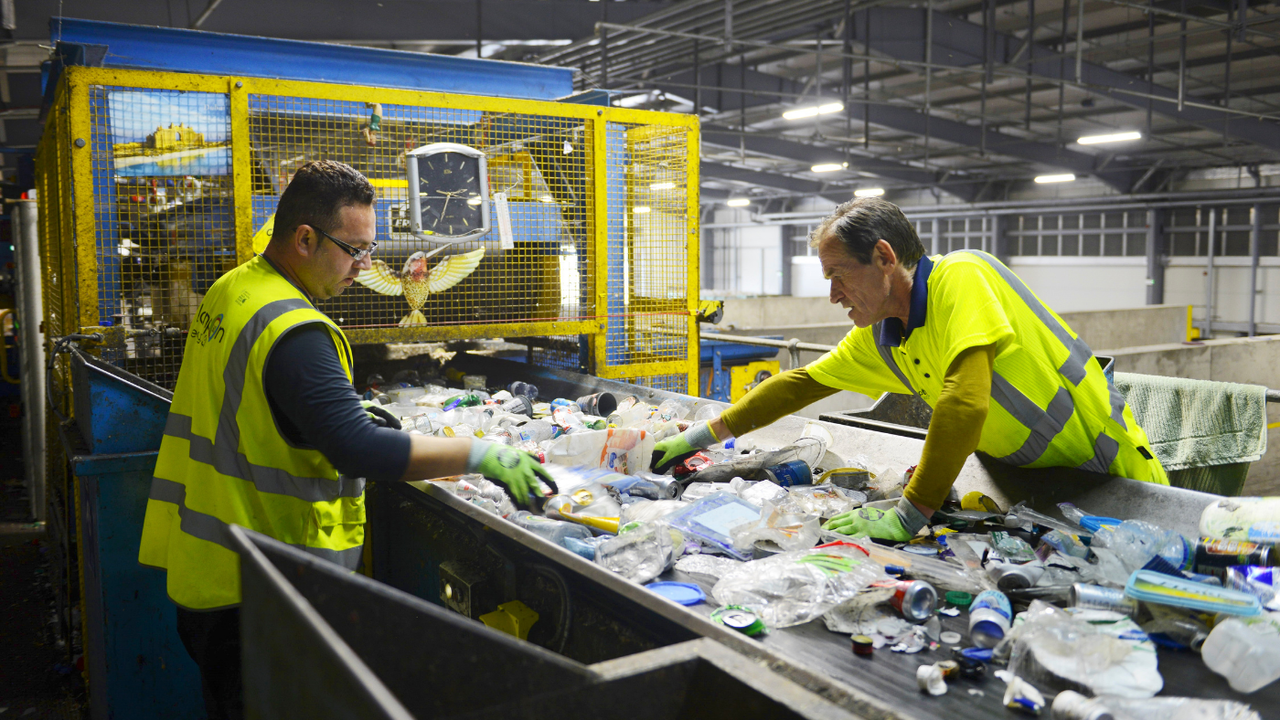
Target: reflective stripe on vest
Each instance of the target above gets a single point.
(224, 452)
(1043, 424)
(223, 460)
(209, 528)
(1073, 369)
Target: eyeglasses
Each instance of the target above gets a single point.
(356, 253)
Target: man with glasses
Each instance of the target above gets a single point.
(266, 430)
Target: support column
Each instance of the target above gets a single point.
(788, 251)
(1155, 256)
(999, 240)
(1255, 236)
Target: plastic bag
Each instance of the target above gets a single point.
(712, 520)
(476, 490)
(825, 501)
(1054, 648)
(796, 587)
(627, 451)
(1177, 708)
(758, 493)
(641, 552)
(699, 490)
(709, 565)
(787, 530)
(650, 510)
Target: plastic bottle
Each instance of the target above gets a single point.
(1142, 545)
(989, 617)
(1255, 519)
(550, 529)
(673, 410)
(1246, 651)
(1071, 705)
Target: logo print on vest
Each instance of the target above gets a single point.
(208, 329)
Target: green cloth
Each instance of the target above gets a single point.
(1198, 423)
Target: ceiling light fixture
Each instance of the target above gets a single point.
(663, 186)
(738, 202)
(1066, 177)
(813, 110)
(1110, 138)
(640, 209)
(868, 192)
(547, 199)
(828, 167)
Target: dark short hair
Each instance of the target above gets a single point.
(316, 195)
(860, 223)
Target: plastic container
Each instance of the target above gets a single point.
(1245, 652)
(989, 617)
(1153, 587)
(1255, 519)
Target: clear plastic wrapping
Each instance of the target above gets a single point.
(796, 587)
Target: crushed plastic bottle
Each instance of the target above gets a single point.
(641, 551)
(1246, 651)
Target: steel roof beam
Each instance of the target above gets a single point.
(908, 120)
(899, 33)
(797, 186)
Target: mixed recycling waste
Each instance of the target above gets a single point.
(1071, 607)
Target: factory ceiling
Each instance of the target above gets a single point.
(962, 97)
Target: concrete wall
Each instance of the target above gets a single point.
(1149, 325)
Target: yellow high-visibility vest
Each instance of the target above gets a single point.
(1051, 404)
(223, 460)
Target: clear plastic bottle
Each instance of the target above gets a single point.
(1246, 651)
(550, 529)
(673, 410)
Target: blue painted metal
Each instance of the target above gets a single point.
(138, 667)
(721, 356)
(117, 411)
(195, 51)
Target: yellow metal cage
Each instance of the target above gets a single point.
(153, 184)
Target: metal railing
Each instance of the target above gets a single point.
(794, 347)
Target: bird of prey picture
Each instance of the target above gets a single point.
(416, 283)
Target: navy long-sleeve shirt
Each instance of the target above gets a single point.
(316, 407)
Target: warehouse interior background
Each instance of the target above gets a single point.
(1117, 154)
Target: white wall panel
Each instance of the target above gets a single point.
(1087, 283)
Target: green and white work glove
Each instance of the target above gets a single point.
(518, 471)
(899, 524)
(676, 448)
(379, 416)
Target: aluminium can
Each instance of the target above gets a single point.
(1096, 597)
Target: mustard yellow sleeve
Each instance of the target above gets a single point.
(956, 426)
(780, 395)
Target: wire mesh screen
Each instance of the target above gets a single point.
(648, 263)
(163, 216)
(538, 167)
(156, 184)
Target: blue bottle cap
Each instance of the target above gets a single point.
(678, 592)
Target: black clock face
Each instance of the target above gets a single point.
(449, 185)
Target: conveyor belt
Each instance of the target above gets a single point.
(882, 686)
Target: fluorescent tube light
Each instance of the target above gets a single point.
(640, 209)
(663, 186)
(1067, 177)
(1110, 138)
(868, 192)
(813, 110)
(827, 167)
(738, 202)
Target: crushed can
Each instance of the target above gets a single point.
(915, 599)
(792, 472)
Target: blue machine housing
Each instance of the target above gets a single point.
(720, 356)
